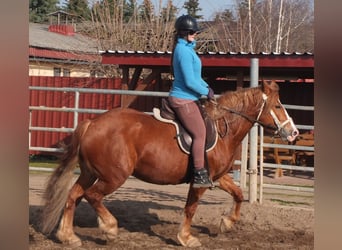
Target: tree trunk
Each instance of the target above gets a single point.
(280, 27)
(250, 26)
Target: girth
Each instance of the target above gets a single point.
(167, 114)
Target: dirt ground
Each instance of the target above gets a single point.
(149, 217)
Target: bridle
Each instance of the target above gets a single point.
(276, 129)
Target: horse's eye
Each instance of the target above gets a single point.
(277, 106)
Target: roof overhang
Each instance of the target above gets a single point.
(292, 65)
(37, 52)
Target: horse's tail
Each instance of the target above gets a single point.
(57, 188)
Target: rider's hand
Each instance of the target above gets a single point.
(211, 95)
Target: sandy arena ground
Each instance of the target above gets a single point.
(149, 216)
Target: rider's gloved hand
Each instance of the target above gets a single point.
(211, 95)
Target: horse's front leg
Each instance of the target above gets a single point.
(184, 235)
(227, 184)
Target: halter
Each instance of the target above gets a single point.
(276, 120)
(264, 98)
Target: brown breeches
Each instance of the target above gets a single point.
(191, 118)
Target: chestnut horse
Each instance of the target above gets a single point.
(125, 142)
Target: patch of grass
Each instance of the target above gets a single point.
(43, 164)
(293, 194)
(43, 161)
(298, 185)
(283, 202)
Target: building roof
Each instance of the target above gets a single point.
(287, 65)
(44, 43)
(61, 12)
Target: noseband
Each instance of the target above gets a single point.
(252, 120)
(281, 125)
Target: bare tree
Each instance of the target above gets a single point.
(268, 26)
(252, 26)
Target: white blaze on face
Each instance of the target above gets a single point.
(281, 125)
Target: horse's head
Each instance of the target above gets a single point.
(273, 113)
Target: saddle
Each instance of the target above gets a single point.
(167, 114)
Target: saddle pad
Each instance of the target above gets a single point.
(183, 142)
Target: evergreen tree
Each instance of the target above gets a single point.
(243, 9)
(79, 8)
(129, 9)
(192, 7)
(226, 16)
(38, 10)
(169, 13)
(146, 10)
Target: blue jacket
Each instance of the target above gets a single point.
(188, 83)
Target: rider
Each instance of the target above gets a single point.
(188, 86)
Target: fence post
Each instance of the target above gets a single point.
(77, 101)
(244, 160)
(30, 125)
(261, 150)
(253, 143)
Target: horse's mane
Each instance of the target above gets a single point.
(239, 100)
(245, 100)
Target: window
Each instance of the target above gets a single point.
(56, 71)
(66, 72)
(94, 73)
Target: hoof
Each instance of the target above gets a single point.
(110, 230)
(189, 242)
(71, 242)
(111, 236)
(226, 224)
(75, 244)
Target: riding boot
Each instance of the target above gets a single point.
(201, 178)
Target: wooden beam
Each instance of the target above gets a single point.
(152, 78)
(239, 79)
(135, 78)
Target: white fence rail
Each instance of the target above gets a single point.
(242, 181)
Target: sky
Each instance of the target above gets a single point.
(209, 7)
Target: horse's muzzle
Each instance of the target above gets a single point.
(293, 135)
(288, 134)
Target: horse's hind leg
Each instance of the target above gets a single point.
(94, 195)
(65, 231)
(227, 221)
(184, 235)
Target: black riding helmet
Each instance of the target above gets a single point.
(186, 23)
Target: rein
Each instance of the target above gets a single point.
(252, 120)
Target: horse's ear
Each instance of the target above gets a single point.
(269, 86)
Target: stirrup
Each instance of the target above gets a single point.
(201, 179)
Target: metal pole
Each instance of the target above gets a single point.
(253, 143)
(30, 125)
(261, 150)
(244, 160)
(77, 101)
